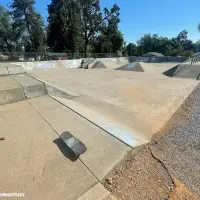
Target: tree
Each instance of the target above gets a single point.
(76, 25)
(178, 46)
(64, 29)
(132, 49)
(93, 20)
(197, 46)
(5, 30)
(182, 39)
(29, 23)
(109, 38)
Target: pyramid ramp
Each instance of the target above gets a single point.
(184, 70)
(134, 66)
(98, 65)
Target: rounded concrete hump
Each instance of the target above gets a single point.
(98, 65)
(134, 66)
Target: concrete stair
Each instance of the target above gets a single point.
(32, 87)
(9, 69)
(10, 90)
(15, 88)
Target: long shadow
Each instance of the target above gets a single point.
(66, 151)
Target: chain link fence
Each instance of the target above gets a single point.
(48, 56)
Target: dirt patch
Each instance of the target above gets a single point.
(141, 178)
(181, 192)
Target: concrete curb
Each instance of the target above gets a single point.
(32, 87)
(98, 192)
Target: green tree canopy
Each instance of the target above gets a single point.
(29, 24)
(76, 26)
(5, 30)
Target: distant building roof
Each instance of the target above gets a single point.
(153, 54)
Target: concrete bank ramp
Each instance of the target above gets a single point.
(184, 70)
(103, 153)
(134, 66)
(138, 104)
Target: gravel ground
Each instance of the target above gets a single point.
(177, 145)
(169, 167)
(141, 178)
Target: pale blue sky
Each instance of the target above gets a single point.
(139, 17)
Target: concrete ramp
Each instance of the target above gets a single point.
(134, 66)
(129, 106)
(86, 62)
(98, 65)
(184, 70)
(103, 153)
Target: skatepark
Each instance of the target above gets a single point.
(114, 113)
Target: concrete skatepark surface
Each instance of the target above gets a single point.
(114, 113)
(149, 99)
(31, 162)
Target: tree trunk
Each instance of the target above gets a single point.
(86, 45)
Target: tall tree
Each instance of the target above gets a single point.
(5, 30)
(30, 24)
(93, 19)
(109, 38)
(132, 49)
(64, 29)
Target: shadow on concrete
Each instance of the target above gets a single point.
(66, 151)
(171, 71)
